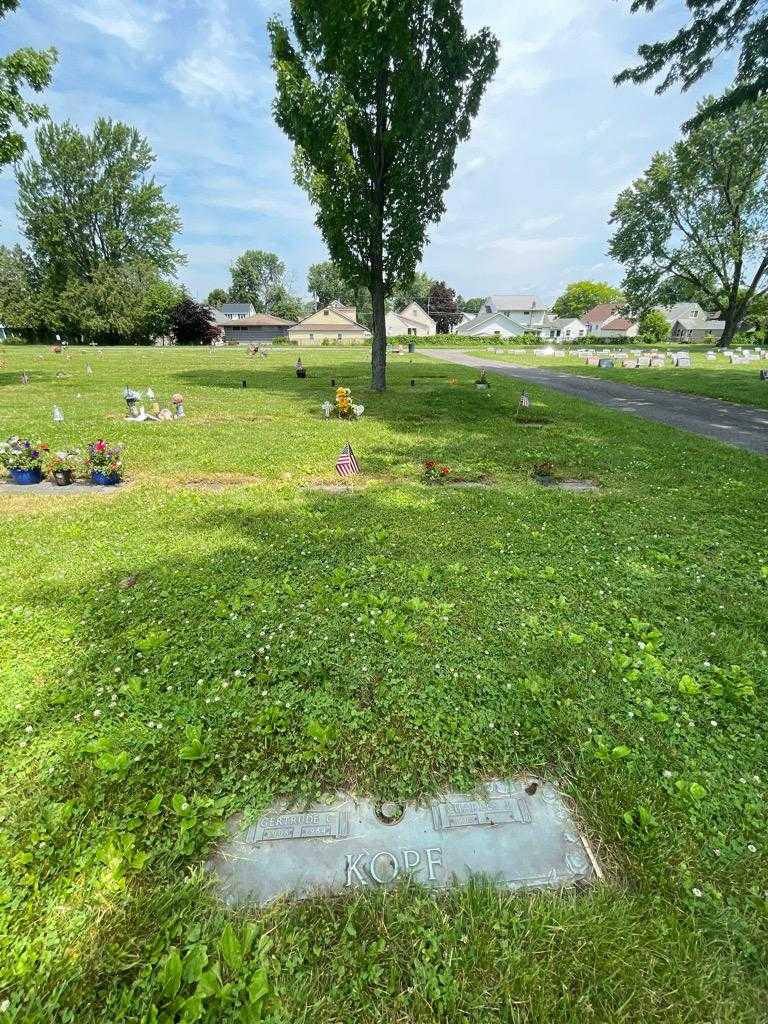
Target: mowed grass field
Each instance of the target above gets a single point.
(212, 635)
(714, 379)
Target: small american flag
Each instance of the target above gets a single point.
(347, 464)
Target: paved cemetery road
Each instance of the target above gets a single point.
(739, 425)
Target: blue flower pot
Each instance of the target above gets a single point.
(26, 476)
(104, 479)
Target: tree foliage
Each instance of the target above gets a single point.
(86, 200)
(376, 95)
(442, 306)
(20, 70)
(473, 306)
(700, 214)
(654, 327)
(579, 296)
(326, 283)
(259, 277)
(217, 297)
(714, 27)
(192, 323)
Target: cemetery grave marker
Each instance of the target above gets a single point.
(518, 834)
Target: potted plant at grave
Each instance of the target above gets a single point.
(23, 459)
(63, 467)
(105, 463)
(434, 474)
(482, 383)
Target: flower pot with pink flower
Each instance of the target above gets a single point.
(105, 463)
(177, 401)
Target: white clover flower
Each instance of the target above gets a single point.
(97, 713)
(28, 729)
(697, 892)
(752, 848)
(667, 773)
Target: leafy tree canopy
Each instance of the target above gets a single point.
(713, 27)
(326, 283)
(376, 95)
(700, 214)
(579, 296)
(192, 323)
(24, 68)
(259, 277)
(654, 327)
(442, 306)
(217, 297)
(473, 305)
(86, 200)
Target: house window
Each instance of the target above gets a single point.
(488, 309)
(497, 334)
(325, 312)
(311, 337)
(338, 337)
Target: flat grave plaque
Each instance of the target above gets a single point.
(517, 834)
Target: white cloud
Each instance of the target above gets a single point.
(541, 223)
(131, 22)
(222, 65)
(532, 247)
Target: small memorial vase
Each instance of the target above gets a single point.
(104, 479)
(26, 476)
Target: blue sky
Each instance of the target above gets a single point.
(528, 207)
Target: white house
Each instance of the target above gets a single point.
(523, 309)
(411, 320)
(458, 327)
(493, 325)
(562, 329)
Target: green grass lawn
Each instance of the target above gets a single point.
(716, 379)
(394, 640)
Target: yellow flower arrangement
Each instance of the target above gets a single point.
(343, 402)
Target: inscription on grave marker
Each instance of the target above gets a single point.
(514, 834)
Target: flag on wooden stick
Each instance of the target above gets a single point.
(347, 464)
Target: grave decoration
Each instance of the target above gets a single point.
(58, 415)
(63, 467)
(301, 371)
(131, 396)
(482, 383)
(88, 369)
(517, 834)
(434, 474)
(105, 463)
(327, 409)
(25, 378)
(347, 464)
(177, 401)
(344, 407)
(23, 459)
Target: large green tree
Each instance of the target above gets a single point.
(326, 283)
(700, 213)
(259, 277)
(22, 69)
(87, 200)
(376, 95)
(579, 296)
(443, 307)
(713, 28)
(415, 290)
(217, 297)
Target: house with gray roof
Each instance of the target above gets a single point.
(696, 329)
(249, 328)
(523, 309)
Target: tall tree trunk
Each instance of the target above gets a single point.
(379, 344)
(733, 316)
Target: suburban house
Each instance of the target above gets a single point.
(493, 325)
(241, 326)
(523, 309)
(694, 329)
(604, 321)
(236, 310)
(566, 328)
(690, 322)
(412, 320)
(334, 323)
(458, 327)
